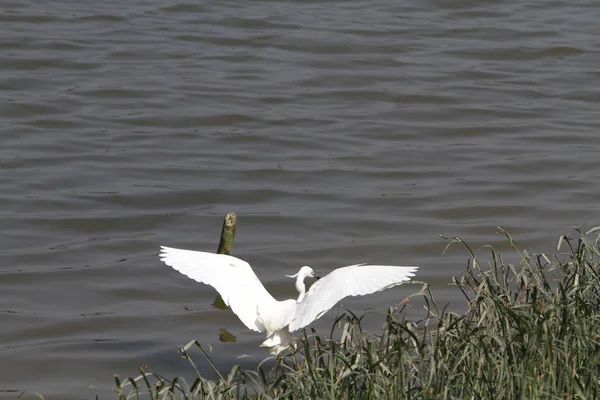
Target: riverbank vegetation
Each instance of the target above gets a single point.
(529, 331)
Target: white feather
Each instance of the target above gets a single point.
(354, 280)
(233, 278)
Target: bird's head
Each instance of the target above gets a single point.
(305, 272)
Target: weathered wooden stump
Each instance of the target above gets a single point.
(225, 244)
(227, 234)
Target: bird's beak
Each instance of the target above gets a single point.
(317, 278)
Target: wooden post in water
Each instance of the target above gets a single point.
(225, 244)
(227, 234)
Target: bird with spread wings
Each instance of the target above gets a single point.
(241, 289)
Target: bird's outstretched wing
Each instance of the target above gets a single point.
(355, 280)
(233, 278)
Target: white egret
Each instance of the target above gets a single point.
(240, 289)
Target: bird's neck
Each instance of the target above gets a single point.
(300, 288)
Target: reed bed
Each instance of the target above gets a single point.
(530, 331)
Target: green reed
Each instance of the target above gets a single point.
(530, 331)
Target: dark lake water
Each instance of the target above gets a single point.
(339, 132)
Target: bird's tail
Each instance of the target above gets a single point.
(278, 341)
